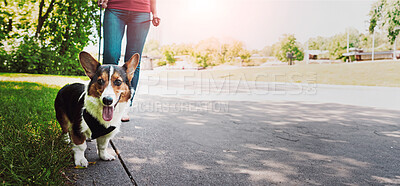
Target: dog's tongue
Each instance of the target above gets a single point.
(108, 113)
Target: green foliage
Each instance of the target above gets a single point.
(169, 55)
(386, 14)
(4, 24)
(31, 57)
(244, 54)
(26, 57)
(4, 60)
(209, 52)
(236, 49)
(45, 36)
(318, 43)
(287, 44)
(337, 44)
(161, 63)
(202, 59)
(381, 42)
(16, 18)
(69, 26)
(33, 151)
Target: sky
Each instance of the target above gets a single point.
(258, 23)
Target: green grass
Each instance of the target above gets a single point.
(33, 151)
(5, 74)
(384, 74)
(365, 74)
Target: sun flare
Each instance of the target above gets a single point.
(203, 6)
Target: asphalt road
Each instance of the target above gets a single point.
(247, 138)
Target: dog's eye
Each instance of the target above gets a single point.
(100, 81)
(117, 82)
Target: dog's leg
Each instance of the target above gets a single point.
(79, 154)
(102, 144)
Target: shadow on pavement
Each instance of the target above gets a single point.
(174, 141)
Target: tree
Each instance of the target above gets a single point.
(381, 41)
(209, 52)
(16, 19)
(318, 43)
(42, 17)
(337, 44)
(386, 14)
(55, 30)
(70, 26)
(287, 43)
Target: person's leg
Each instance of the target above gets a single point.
(113, 28)
(137, 30)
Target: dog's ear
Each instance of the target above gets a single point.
(130, 66)
(88, 63)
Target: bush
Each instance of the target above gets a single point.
(161, 63)
(169, 57)
(202, 59)
(31, 57)
(4, 60)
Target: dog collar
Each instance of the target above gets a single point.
(95, 126)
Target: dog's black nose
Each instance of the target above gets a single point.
(107, 100)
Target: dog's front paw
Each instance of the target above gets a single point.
(81, 162)
(105, 156)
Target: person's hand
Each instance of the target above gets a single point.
(102, 3)
(156, 21)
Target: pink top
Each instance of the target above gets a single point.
(131, 5)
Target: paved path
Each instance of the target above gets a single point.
(251, 138)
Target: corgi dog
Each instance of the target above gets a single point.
(94, 110)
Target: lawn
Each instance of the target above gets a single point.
(33, 151)
(365, 74)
